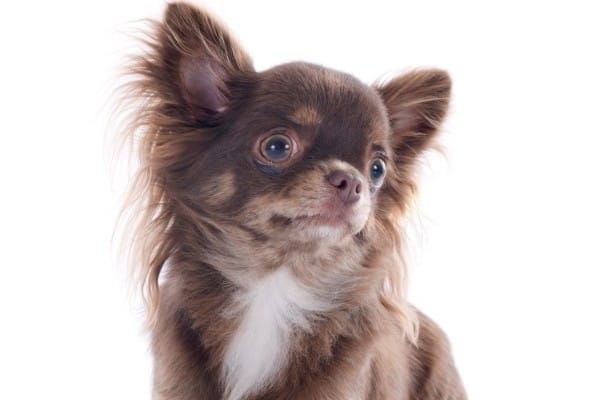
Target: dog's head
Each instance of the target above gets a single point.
(298, 154)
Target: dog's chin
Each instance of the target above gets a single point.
(323, 228)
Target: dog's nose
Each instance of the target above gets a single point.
(348, 186)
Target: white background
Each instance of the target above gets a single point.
(504, 251)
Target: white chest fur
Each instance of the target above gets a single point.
(272, 308)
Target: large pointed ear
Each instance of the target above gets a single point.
(197, 58)
(417, 103)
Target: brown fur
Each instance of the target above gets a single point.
(210, 219)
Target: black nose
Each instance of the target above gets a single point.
(348, 186)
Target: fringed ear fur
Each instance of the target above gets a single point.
(201, 57)
(417, 103)
(179, 87)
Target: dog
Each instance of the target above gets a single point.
(267, 214)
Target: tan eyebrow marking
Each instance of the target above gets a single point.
(306, 116)
(378, 148)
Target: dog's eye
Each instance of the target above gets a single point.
(377, 171)
(277, 148)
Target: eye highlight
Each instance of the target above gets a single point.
(377, 171)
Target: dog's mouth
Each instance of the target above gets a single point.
(327, 217)
(311, 214)
(308, 220)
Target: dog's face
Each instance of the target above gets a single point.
(297, 157)
(300, 156)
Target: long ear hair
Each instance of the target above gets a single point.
(417, 103)
(175, 93)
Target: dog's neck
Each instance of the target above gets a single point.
(270, 312)
(275, 296)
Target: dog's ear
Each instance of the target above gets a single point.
(201, 58)
(175, 94)
(417, 103)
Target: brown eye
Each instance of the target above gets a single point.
(277, 148)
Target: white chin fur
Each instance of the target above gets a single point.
(332, 233)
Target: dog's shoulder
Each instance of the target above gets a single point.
(433, 373)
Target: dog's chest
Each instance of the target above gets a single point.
(270, 310)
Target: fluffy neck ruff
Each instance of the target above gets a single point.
(263, 312)
(271, 311)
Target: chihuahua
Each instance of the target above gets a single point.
(267, 230)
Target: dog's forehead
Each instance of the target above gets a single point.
(339, 108)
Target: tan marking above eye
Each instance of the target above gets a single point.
(307, 116)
